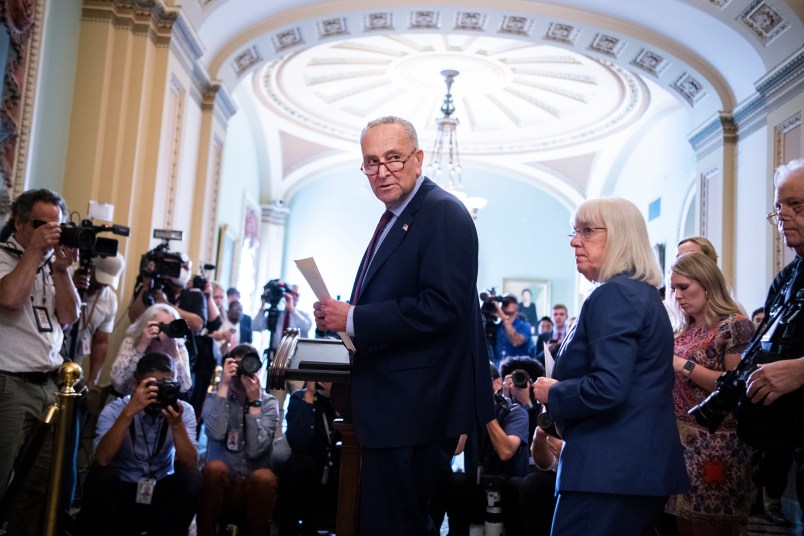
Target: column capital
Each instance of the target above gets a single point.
(275, 213)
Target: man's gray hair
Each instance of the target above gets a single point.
(785, 170)
(627, 246)
(393, 120)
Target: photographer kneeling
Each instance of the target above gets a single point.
(495, 462)
(146, 476)
(240, 420)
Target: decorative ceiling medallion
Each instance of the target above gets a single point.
(650, 62)
(472, 21)
(608, 45)
(763, 20)
(563, 33)
(330, 27)
(425, 19)
(286, 39)
(689, 88)
(516, 25)
(246, 59)
(378, 21)
(720, 4)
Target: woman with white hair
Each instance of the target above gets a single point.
(611, 392)
(144, 336)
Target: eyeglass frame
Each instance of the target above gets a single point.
(378, 164)
(774, 218)
(586, 232)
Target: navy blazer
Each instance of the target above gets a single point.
(614, 400)
(421, 368)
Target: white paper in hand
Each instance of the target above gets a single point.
(312, 275)
(548, 361)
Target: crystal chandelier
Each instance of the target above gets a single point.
(445, 165)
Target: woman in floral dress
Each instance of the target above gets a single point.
(713, 333)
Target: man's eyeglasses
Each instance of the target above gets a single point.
(391, 165)
(585, 232)
(775, 217)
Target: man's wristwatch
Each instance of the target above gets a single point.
(254, 403)
(688, 366)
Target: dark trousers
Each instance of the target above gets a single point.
(396, 485)
(109, 505)
(304, 502)
(537, 500)
(605, 514)
(465, 502)
(248, 501)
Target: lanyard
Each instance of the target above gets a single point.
(160, 441)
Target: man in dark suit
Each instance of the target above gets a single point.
(420, 370)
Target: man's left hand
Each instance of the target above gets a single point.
(331, 315)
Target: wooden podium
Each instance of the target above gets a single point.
(326, 360)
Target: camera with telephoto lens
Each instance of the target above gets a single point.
(200, 280)
(175, 329)
(166, 396)
(782, 338)
(249, 365)
(520, 378)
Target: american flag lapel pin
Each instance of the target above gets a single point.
(405, 227)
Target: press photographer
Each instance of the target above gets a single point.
(37, 298)
(164, 277)
(146, 477)
(772, 368)
(495, 461)
(240, 422)
(270, 317)
(158, 329)
(512, 334)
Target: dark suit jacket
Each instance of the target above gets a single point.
(245, 329)
(421, 370)
(614, 399)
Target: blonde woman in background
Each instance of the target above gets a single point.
(713, 333)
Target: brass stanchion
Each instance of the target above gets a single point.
(69, 375)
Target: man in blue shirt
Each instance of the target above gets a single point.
(146, 476)
(513, 333)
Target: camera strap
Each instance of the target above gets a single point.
(160, 439)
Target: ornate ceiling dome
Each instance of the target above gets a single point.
(511, 96)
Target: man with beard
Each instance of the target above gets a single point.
(240, 421)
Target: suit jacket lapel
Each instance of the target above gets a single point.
(397, 232)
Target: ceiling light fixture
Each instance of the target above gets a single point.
(445, 166)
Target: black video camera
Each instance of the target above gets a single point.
(488, 308)
(159, 264)
(249, 365)
(84, 237)
(166, 396)
(273, 291)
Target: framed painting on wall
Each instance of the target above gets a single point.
(225, 258)
(245, 272)
(539, 292)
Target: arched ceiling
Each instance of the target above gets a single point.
(542, 83)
